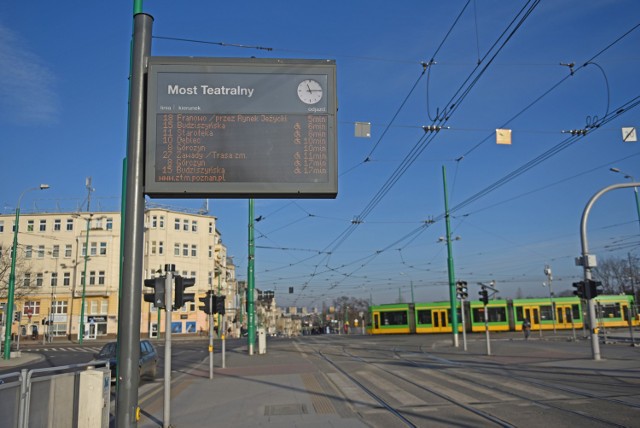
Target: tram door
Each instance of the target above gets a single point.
(563, 316)
(533, 313)
(440, 320)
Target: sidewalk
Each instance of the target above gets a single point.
(284, 387)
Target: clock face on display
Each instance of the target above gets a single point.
(309, 91)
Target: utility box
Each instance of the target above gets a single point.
(93, 398)
(262, 341)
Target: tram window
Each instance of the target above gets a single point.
(497, 314)
(394, 318)
(575, 312)
(424, 316)
(610, 311)
(546, 313)
(519, 314)
(477, 314)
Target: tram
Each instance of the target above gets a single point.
(502, 315)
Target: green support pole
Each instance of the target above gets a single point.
(452, 278)
(84, 283)
(12, 286)
(251, 314)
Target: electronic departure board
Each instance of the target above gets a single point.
(241, 128)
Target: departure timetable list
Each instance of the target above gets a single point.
(219, 148)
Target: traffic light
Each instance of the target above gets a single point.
(461, 290)
(157, 297)
(579, 289)
(209, 302)
(17, 316)
(595, 288)
(220, 304)
(180, 296)
(484, 296)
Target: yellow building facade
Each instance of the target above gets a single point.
(56, 251)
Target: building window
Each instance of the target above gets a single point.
(185, 250)
(210, 251)
(154, 221)
(92, 277)
(176, 249)
(185, 225)
(210, 278)
(54, 279)
(176, 225)
(194, 250)
(1, 226)
(161, 247)
(26, 281)
(109, 223)
(33, 307)
(43, 225)
(211, 228)
(41, 251)
(66, 279)
(57, 225)
(55, 252)
(67, 250)
(103, 248)
(94, 307)
(29, 225)
(153, 248)
(28, 251)
(161, 222)
(94, 249)
(39, 279)
(101, 277)
(69, 224)
(194, 226)
(59, 307)
(104, 307)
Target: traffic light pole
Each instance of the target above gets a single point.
(211, 337)
(167, 348)
(588, 262)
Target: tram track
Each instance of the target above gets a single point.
(509, 377)
(398, 413)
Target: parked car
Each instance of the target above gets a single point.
(148, 359)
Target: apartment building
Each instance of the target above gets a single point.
(57, 250)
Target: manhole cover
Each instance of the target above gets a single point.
(285, 409)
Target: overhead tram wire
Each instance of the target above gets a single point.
(631, 104)
(553, 87)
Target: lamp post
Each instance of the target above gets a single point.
(635, 189)
(547, 271)
(12, 275)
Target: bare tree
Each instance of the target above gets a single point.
(23, 269)
(619, 275)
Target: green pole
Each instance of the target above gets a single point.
(12, 285)
(635, 191)
(251, 314)
(452, 279)
(84, 282)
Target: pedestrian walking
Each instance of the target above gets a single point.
(526, 328)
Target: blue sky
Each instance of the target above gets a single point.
(63, 114)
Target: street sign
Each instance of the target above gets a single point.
(241, 128)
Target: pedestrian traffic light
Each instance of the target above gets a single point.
(461, 290)
(595, 288)
(157, 297)
(208, 303)
(579, 289)
(180, 296)
(17, 316)
(484, 296)
(220, 304)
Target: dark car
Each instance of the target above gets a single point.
(148, 359)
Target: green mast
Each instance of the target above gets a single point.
(452, 276)
(251, 313)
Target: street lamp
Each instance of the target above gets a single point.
(635, 189)
(12, 275)
(547, 271)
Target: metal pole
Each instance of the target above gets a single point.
(251, 314)
(127, 409)
(452, 279)
(211, 337)
(12, 277)
(464, 329)
(588, 264)
(84, 278)
(224, 340)
(168, 299)
(486, 329)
